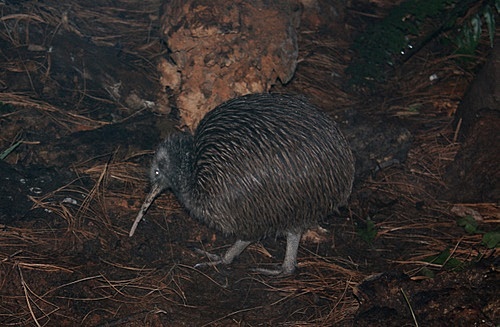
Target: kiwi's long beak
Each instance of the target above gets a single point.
(156, 189)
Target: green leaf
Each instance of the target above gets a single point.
(427, 272)
(445, 260)
(368, 232)
(491, 239)
(4, 154)
(475, 22)
(489, 18)
(469, 224)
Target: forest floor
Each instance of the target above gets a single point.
(401, 253)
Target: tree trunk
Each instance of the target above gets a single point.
(474, 174)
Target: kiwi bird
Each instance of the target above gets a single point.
(260, 165)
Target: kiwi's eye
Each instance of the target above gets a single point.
(157, 172)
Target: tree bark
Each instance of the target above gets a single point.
(474, 174)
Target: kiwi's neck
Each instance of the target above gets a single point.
(182, 178)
